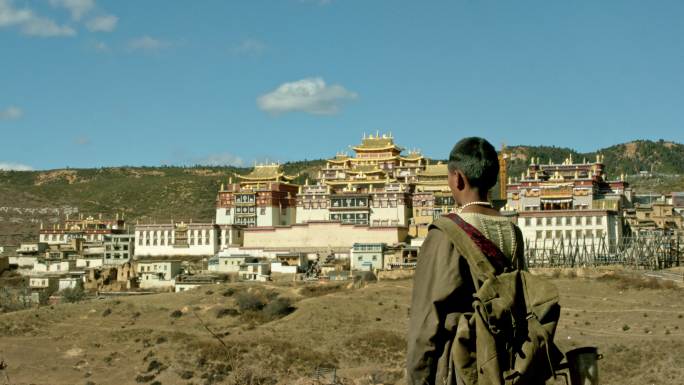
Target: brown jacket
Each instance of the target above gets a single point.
(442, 290)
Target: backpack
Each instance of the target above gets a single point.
(508, 337)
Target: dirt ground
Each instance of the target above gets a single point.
(360, 330)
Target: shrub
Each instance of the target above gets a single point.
(224, 311)
(278, 308)
(229, 292)
(106, 312)
(625, 327)
(250, 302)
(176, 314)
(72, 295)
(571, 274)
(318, 289)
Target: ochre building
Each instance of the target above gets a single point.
(264, 197)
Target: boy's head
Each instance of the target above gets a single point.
(473, 169)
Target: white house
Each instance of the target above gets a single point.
(54, 266)
(89, 261)
(43, 285)
(157, 274)
(279, 267)
(226, 263)
(189, 282)
(70, 282)
(257, 271)
(367, 256)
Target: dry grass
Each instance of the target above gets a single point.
(626, 280)
(360, 331)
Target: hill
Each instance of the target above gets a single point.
(28, 198)
(660, 157)
(359, 329)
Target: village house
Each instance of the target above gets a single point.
(54, 266)
(255, 271)
(43, 286)
(88, 229)
(89, 261)
(400, 256)
(71, 281)
(290, 263)
(367, 256)
(185, 282)
(229, 263)
(157, 274)
(118, 248)
(27, 254)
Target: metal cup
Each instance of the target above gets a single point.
(583, 365)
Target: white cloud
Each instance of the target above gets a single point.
(147, 43)
(224, 159)
(39, 26)
(11, 113)
(10, 16)
(78, 8)
(105, 23)
(29, 23)
(250, 47)
(309, 95)
(9, 166)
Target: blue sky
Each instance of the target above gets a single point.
(91, 83)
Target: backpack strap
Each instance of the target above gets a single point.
(480, 268)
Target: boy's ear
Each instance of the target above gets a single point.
(460, 180)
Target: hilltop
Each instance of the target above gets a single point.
(183, 193)
(659, 157)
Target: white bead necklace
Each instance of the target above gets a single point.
(479, 203)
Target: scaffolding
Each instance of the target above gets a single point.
(654, 252)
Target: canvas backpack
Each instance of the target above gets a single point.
(508, 336)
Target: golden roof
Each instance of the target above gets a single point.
(375, 143)
(439, 169)
(414, 155)
(268, 172)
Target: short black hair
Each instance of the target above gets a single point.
(476, 158)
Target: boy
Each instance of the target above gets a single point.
(443, 286)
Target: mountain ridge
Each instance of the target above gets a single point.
(166, 193)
